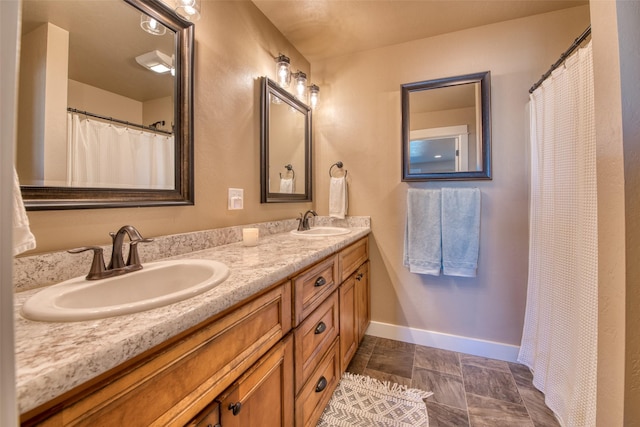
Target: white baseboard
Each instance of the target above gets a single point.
(490, 349)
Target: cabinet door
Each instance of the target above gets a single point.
(348, 322)
(363, 300)
(262, 396)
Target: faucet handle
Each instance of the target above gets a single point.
(133, 261)
(98, 268)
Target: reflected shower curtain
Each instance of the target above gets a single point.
(107, 155)
(559, 340)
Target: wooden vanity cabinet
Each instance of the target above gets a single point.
(322, 350)
(271, 361)
(262, 396)
(172, 383)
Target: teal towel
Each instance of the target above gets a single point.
(422, 253)
(460, 231)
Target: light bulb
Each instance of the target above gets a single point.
(314, 95)
(301, 85)
(283, 76)
(188, 9)
(151, 26)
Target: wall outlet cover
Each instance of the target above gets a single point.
(236, 198)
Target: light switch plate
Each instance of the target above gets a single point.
(236, 198)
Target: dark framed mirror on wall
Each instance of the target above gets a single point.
(285, 142)
(446, 128)
(124, 74)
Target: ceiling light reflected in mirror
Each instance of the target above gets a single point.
(156, 61)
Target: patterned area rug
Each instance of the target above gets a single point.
(361, 401)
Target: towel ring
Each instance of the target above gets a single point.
(290, 169)
(339, 165)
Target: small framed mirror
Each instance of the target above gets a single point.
(446, 128)
(118, 130)
(285, 140)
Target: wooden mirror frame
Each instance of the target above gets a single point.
(269, 87)
(57, 198)
(484, 78)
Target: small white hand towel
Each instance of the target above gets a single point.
(338, 198)
(286, 185)
(460, 231)
(422, 248)
(23, 239)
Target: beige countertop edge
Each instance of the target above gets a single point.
(53, 358)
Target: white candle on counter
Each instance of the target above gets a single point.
(250, 236)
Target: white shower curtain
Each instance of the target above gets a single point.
(107, 155)
(559, 340)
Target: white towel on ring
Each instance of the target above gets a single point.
(286, 185)
(23, 239)
(338, 197)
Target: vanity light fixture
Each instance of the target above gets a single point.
(188, 9)
(151, 26)
(283, 75)
(156, 61)
(300, 84)
(314, 95)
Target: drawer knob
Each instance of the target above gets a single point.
(320, 281)
(322, 384)
(320, 328)
(359, 276)
(235, 408)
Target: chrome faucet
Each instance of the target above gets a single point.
(117, 265)
(303, 223)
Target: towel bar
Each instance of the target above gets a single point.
(290, 169)
(339, 165)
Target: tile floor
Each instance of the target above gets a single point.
(467, 390)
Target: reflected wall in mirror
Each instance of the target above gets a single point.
(96, 126)
(285, 134)
(446, 128)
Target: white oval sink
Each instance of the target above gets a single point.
(322, 232)
(157, 284)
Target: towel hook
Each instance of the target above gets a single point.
(290, 169)
(339, 165)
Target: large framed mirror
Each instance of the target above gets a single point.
(285, 140)
(97, 126)
(446, 128)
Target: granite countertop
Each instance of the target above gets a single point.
(53, 358)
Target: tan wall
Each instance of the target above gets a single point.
(160, 109)
(359, 123)
(235, 45)
(99, 101)
(42, 132)
(616, 37)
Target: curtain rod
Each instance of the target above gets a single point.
(111, 119)
(576, 43)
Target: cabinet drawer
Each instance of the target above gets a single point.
(314, 337)
(210, 417)
(313, 286)
(175, 383)
(317, 392)
(352, 257)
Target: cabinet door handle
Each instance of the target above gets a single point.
(359, 276)
(322, 384)
(320, 328)
(320, 281)
(235, 408)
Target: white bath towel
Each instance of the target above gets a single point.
(460, 231)
(338, 197)
(23, 239)
(422, 248)
(286, 185)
